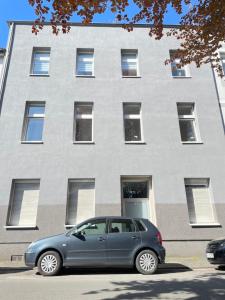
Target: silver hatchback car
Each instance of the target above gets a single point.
(100, 242)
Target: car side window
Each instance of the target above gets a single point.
(119, 226)
(93, 227)
(140, 225)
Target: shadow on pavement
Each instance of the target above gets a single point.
(203, 287)
(11, 270)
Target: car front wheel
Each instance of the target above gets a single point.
(49, 263)
(146, 262)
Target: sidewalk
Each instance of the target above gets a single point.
(171, 263)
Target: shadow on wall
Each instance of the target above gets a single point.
(203, 287)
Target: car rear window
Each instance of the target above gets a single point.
(140, 225)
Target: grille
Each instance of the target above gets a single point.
(212, 247)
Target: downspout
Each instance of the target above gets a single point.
(6, 63)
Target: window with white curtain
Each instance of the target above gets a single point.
(24, 203)
(132, 122)
(176, 68)
(80, 201)
(188, 124)
(83, 127)
(222, 57)
(85, 62)
(40, 61)
(200, 205)
(33, 122)
(129, 63)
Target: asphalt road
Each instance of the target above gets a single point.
(19, 284)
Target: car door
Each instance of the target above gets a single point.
(86, 246)
(122, 240)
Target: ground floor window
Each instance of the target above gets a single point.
(137, 200)
(23, 203)
(80, 201)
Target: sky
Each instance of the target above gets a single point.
(21, 10)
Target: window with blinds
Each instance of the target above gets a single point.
(200, 206)
(177, 69)
(81, 201)
(85, 62)
(129, 63)
(40, 61)
(24, 203)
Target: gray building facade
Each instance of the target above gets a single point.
(93, 123)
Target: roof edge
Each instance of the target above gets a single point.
(21, 22)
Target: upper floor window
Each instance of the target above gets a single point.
(83, 127)
(129, 63)
(33, 122)
(132, 122)
(187, 121)
(177, 69)
(85, 62)
(40, 61)
(222, 57)
(200, 206)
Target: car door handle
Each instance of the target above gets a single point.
(101, 239)
(134, 237)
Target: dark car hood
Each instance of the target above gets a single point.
(219, 240)
(53, 237)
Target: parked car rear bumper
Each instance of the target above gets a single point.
(162, 255)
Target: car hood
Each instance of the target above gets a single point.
(219, 240)
(57, 237)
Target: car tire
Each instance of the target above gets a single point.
(146, 262)
(49, 263)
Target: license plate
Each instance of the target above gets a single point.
(210, 255)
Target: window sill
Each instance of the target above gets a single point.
(192, 143)
(20, 227)
(205, 225)
(182, 77)
(135, 143)
(85, 76)
(131, 76)
(30, 142)
(69, 226)
(81, 143)
(39, 75)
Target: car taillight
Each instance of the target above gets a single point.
(159, 238)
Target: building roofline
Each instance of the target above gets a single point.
(21, 22)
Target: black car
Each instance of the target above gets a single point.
(100, 242)
(215, 252)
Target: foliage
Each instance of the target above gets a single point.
(201, 31)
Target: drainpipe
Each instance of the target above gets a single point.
(6, 62)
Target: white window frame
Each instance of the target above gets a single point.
(85, 51)
(26, 122)
(176, 62)
(134, 117)
(192, 118)
(222, 57)
(205, 182)
(11, 203)
(40, 50)
(85, 180)
(83, 116)
(130, 51)
(150, 198)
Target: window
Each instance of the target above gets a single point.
(85, 62)
(93, 227)
(83, 125)
(24, 203)
(81, 201)
(177, 69)
(200, 207)
(33, 122)
(119, 226)
(140, 225)
(136, 198)
(187, 122)
(132, 122)
(222, 56)
(40, 61)
(129, 63)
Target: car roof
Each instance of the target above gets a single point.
(115, 217)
